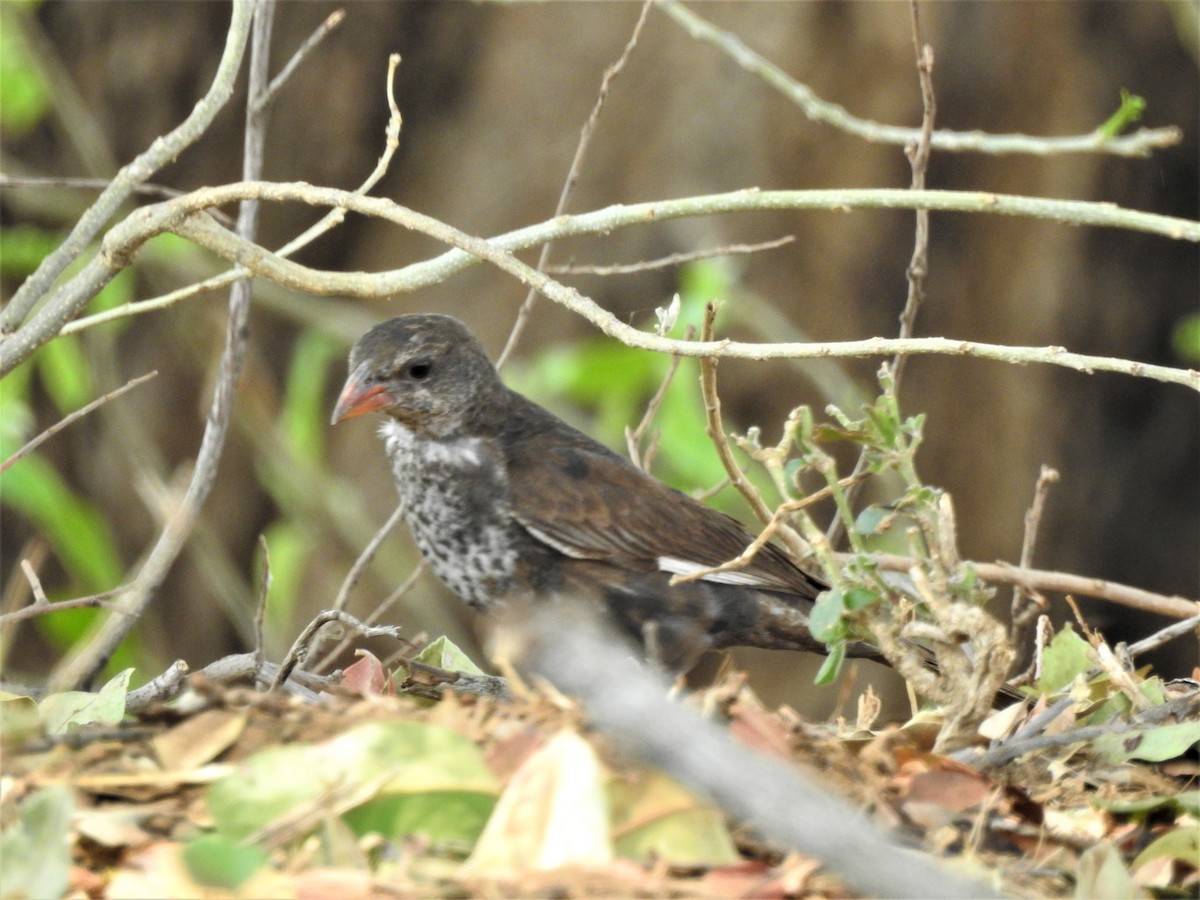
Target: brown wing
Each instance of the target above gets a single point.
(586, 502)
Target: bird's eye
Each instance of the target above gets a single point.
(418, 370)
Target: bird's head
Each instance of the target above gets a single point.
(426, 371)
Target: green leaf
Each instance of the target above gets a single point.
(868, 521)
(79, 534)
(304, 415)
(35, 848)
(290, 546)
(19, 719)
(455, 817)
(826, 620)
(25, 246)
(1181, 843)
(1102, 875)
(216, 861)
(1067, 656)
(64, 370)
(1185, 801)
(26, 95)
(654, 818)
(1185, 338)
(1130, 110)
(61, 712)
(703, 281)
(445, 654)
(419, 767)
(1156, 744)
(832, 665)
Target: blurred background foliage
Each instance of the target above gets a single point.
(493, 98)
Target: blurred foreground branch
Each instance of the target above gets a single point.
(627, 702)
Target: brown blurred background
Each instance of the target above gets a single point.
(493, 98)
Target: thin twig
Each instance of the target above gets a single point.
(365, 557)
(73, 417)
(634, 437)
(172, 215)
(376, 614)
(41, 605)
(1139, 143)
(332, 21)
(716, 433)
(98, 184)
(744, 558)
(300, 649)
(1156, 640)
(1027, 603)
(1039, 579)
(674, 259)
(264, 589)
(124, 239)
(35, 584)
(568, 188)
(1181, 708)
(918, 157)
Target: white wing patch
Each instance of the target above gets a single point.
(677, 566)
(561, 546)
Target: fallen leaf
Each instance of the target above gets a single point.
(200, 739)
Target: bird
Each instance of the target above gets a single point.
(509, 504)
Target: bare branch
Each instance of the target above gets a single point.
(1139, 143)
(674, 259)
(570, 648)
(1040, 579)
(264, 101)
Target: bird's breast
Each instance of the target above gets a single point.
(456, 503)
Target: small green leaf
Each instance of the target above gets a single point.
(216, 861)
(1130, 110)
(445, 654)
(860, 598)
(19, 719)
(26, 95)
(1185, 338)
(1067, 656)
(61, 712)
(304, 415)
(1185, 801)
(868, 521)
(826, 619)
(832, 665)
(1181, 843)
(1157, 744)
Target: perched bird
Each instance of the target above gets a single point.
(507, 502)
